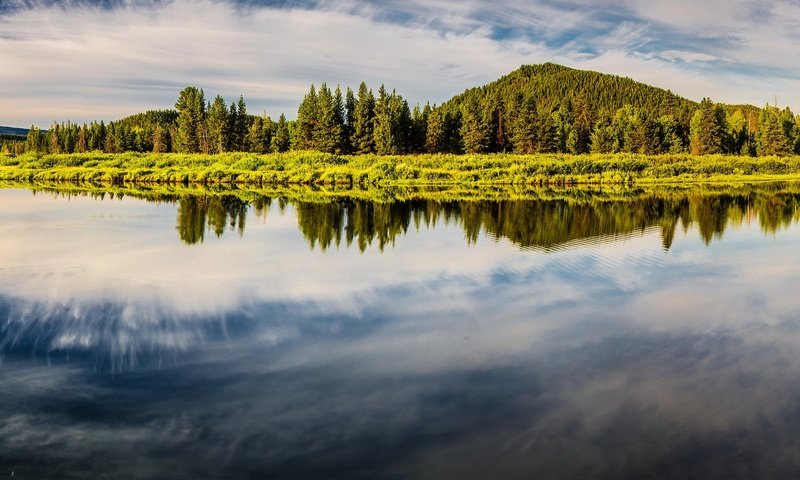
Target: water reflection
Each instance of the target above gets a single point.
(532, 223)
(637, 334)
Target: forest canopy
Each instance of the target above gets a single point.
(535, 109)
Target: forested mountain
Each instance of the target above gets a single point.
(13, 131)
(535, 109)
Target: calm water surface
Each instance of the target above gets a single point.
(635, 334)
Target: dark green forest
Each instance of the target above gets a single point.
(536, 109)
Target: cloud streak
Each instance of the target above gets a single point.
(85, 60)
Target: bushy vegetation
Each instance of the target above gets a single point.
(315, 168)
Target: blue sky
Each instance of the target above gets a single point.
(104, 59)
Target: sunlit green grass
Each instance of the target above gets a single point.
(314, 168)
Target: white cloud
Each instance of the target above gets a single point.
(85, 63)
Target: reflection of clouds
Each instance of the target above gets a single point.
(433, 360)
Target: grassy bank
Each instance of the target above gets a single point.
(313, 168)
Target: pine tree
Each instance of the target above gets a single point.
(400, 123)
(384, 141)
(159, 140)
(259, 135)
(362, 139)
(771, 139)
(524, 136)
(604, 138)
(329, 129)
(218, 125)
(708, 129)
(671, 137)
(33, 141)
(233, 133)
(474, 131)
(435, 133)
(307, 119)
(81, 144)
(242, 125)
(191, 120)
(280, 140)
(583, 125)
(349, 119)
(419, 128)
(737, 132)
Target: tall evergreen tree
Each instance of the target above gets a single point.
(218, 125)
(33, 141)
(242, 125)
(307, 120)
(435, 134)
(349, 119)
(362, 138)
(159, 140)
(82, 144)
(419, 128)
(191, 119)
(525, 133)
(474, 131)
(772, 138)
(281, 142)
(329, 130)
(382, 130)
(583, 125)
(708, 129)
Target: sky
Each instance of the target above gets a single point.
(84, 60)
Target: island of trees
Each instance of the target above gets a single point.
(535, 109)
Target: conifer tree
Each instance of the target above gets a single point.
(242, 125)
(233, 132)
(419, 128)
(159, 140)
(328, 131)
(708, 129)
(525, 134)
(771, 134)
(604, 138)
(280, 140)
(349, 119)
(362, 138)
(307, 119)
(435, 135)
(384, 140)
(81, 144)
(33, 141)
(474, 131)
(218, 125)
(191, 120)
(582, 128)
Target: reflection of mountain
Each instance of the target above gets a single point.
(542, 223)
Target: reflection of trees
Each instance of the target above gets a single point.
(543, 223)
(218, 212)
(355, 221)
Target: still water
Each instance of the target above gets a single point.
(564, 334)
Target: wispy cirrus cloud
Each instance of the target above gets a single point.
(103, 59)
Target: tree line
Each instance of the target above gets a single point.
(536, 109)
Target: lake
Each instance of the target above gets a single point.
(588, 333)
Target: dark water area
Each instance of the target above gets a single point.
(566, 334)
